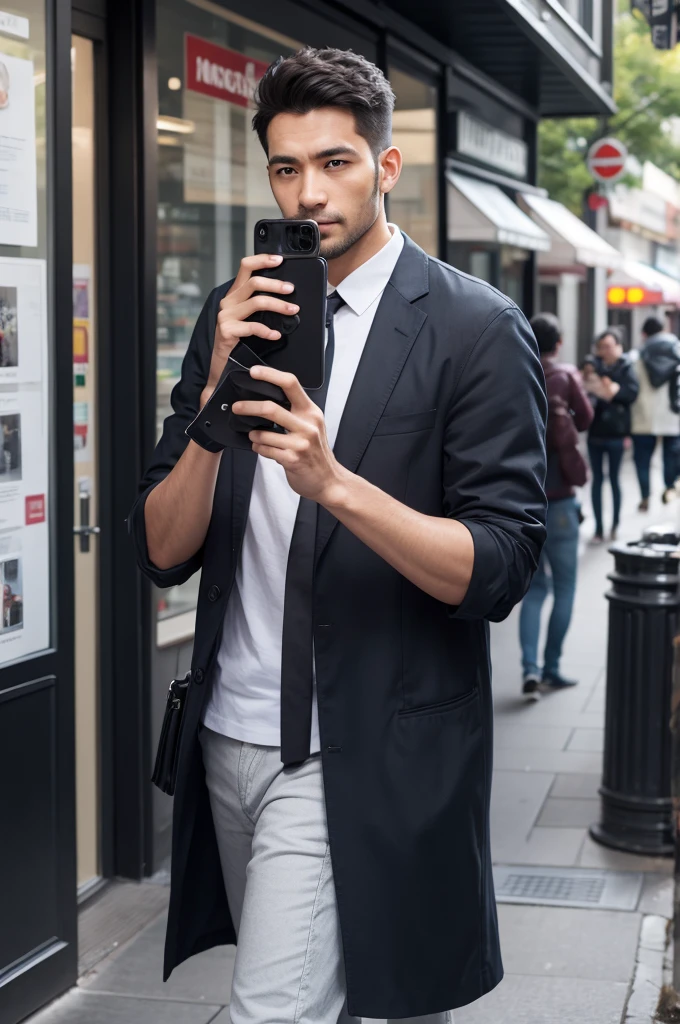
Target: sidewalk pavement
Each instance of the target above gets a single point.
(564, 965)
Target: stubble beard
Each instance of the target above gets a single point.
(332, 250)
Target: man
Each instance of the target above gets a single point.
(610, 380)
(565, 394)
(652, 415)
(343, 833)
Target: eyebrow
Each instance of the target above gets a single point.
(325, 154)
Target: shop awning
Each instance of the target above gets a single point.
(481, 212)
(638, 284)
(572, 240)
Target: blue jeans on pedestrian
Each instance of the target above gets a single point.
(558, 563)
(643, 449)
(612, 448)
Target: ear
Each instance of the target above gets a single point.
(390, 162)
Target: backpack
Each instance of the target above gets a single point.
(562, 440)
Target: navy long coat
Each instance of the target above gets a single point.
(447, 414)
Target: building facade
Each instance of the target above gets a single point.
(134, 191)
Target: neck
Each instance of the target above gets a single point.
(377, 236)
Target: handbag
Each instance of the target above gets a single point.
(165, 767)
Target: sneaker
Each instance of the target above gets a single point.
(597, 540)
(644, 505)
(613, 535)
(531, 689)
(668, 495)
(557, 682)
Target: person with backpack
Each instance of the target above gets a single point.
(569, 413)
(655, 413)
(610, 380)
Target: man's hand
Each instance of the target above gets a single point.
(240, 303)
(312, 469)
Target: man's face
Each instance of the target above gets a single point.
(321, 169)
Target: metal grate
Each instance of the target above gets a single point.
(568, 887)
(537, 888)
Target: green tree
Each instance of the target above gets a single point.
(647, 94)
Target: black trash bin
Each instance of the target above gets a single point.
(644, 605)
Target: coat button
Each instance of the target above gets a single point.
(214, 593)
(198, 676)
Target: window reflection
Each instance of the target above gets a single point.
(413, 203)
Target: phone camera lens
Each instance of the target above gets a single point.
(262, 232)
(305, 244)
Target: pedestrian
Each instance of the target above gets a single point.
(652, 414)
(569, 412)
(332, 789)
(613, 385)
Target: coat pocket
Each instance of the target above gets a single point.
(437, 709)
(407, 424)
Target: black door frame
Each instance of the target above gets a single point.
(52, 967)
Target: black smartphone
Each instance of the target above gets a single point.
(287, 237)
(300, 349)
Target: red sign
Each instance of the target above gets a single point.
(607, 159)
(35, 509)
(221, 73)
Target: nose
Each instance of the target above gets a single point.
(312, 194)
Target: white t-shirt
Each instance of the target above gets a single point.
(245, 703)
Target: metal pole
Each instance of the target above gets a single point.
(675, 795)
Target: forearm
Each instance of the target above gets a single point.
(177, 512)
(434, 553)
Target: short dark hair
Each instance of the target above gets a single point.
(548, 332)
(615, 332)
(311, 78)
(652, 325)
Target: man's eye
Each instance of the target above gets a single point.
(336, 163)
(286, 171)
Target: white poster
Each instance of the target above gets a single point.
(24, 460)
(18, 167)
(23, 320)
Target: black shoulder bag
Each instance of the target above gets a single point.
(165, 768)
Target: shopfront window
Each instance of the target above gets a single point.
(212, 186)
(413, 203)
(26, 429)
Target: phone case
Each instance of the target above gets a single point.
(300, 349)
(277, 239)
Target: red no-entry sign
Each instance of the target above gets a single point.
(607, 159)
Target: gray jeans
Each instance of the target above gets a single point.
(273, 841)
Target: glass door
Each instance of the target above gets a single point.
(85, 463)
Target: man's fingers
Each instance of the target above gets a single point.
(249, 264)
(246, 329)
(268, 284)
(271, 411)
(299, 400)
(283, 456)
(257, 303)
(290, 442)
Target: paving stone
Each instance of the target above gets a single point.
(569, 942)
(566, 813)
(555, 761)
(512, 735)
(589, 740)
(657, 895)
(545, 847)
(576, 787)
(516, 801)
(594, 855)
(222, 1018)
(79, 1007)
(530, 1000)
(137, 971)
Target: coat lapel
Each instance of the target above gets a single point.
(395, 328)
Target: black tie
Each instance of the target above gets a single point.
(297, 655)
